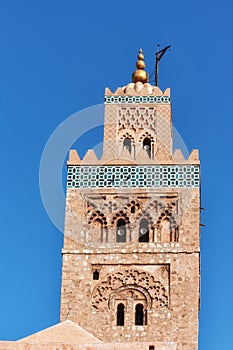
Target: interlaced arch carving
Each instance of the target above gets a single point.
(120, 215)
(145, 215)
(167, 228)
(130, 278)
(146, 135)
(97, 216)
(127, 141)
(127, 136)
(132, 207)
(148, 143)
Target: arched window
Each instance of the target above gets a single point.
(120, 315)
(121, 231)
(147, 145)
(139, 315)
(144, 231)
(127, 144)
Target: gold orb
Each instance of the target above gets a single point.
(140, 64)
(140, 56)
(140, 75)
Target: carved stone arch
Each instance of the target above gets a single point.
(133, 207)
(120, 215)
(130, 287)
(127, 141)
(145, 215)
(98, 226)
(120, 222)
(144, 227)
(144, 135)
(127, 135)
(96, 214)
(128, 278)
(147, 142)
(167, 226)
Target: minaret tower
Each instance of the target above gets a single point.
(131, 247)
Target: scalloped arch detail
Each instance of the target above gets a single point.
(130, 278)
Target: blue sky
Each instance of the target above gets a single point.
(56, 59)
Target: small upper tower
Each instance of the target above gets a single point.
(138, 119)
(131, 246)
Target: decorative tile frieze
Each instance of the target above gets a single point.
(153, 176)
(136, 99)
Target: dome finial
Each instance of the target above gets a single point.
(140, 74)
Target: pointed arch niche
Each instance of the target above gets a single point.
(127, 143)
(98, 227)
(121, 230)
(120, 223)
(145, 227)
(148, 144)
(143, 231)
(166, 228)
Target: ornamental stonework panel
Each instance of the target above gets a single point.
(152, 286)
(137, 118)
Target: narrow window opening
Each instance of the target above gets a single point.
(151, 347)
(144, 231)
(127, 144)
(139, 315)
(96, 275)
(121, 231)
(147, 145)
(133, 209)
(120, 315)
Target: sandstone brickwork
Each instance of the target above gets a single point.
(105, 276)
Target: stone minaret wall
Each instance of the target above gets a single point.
(162, 273)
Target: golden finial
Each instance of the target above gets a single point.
(140, 74)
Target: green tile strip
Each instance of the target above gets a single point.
(136, 99)
(154, 176)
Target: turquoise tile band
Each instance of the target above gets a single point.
(154, 176)
(136, 99)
